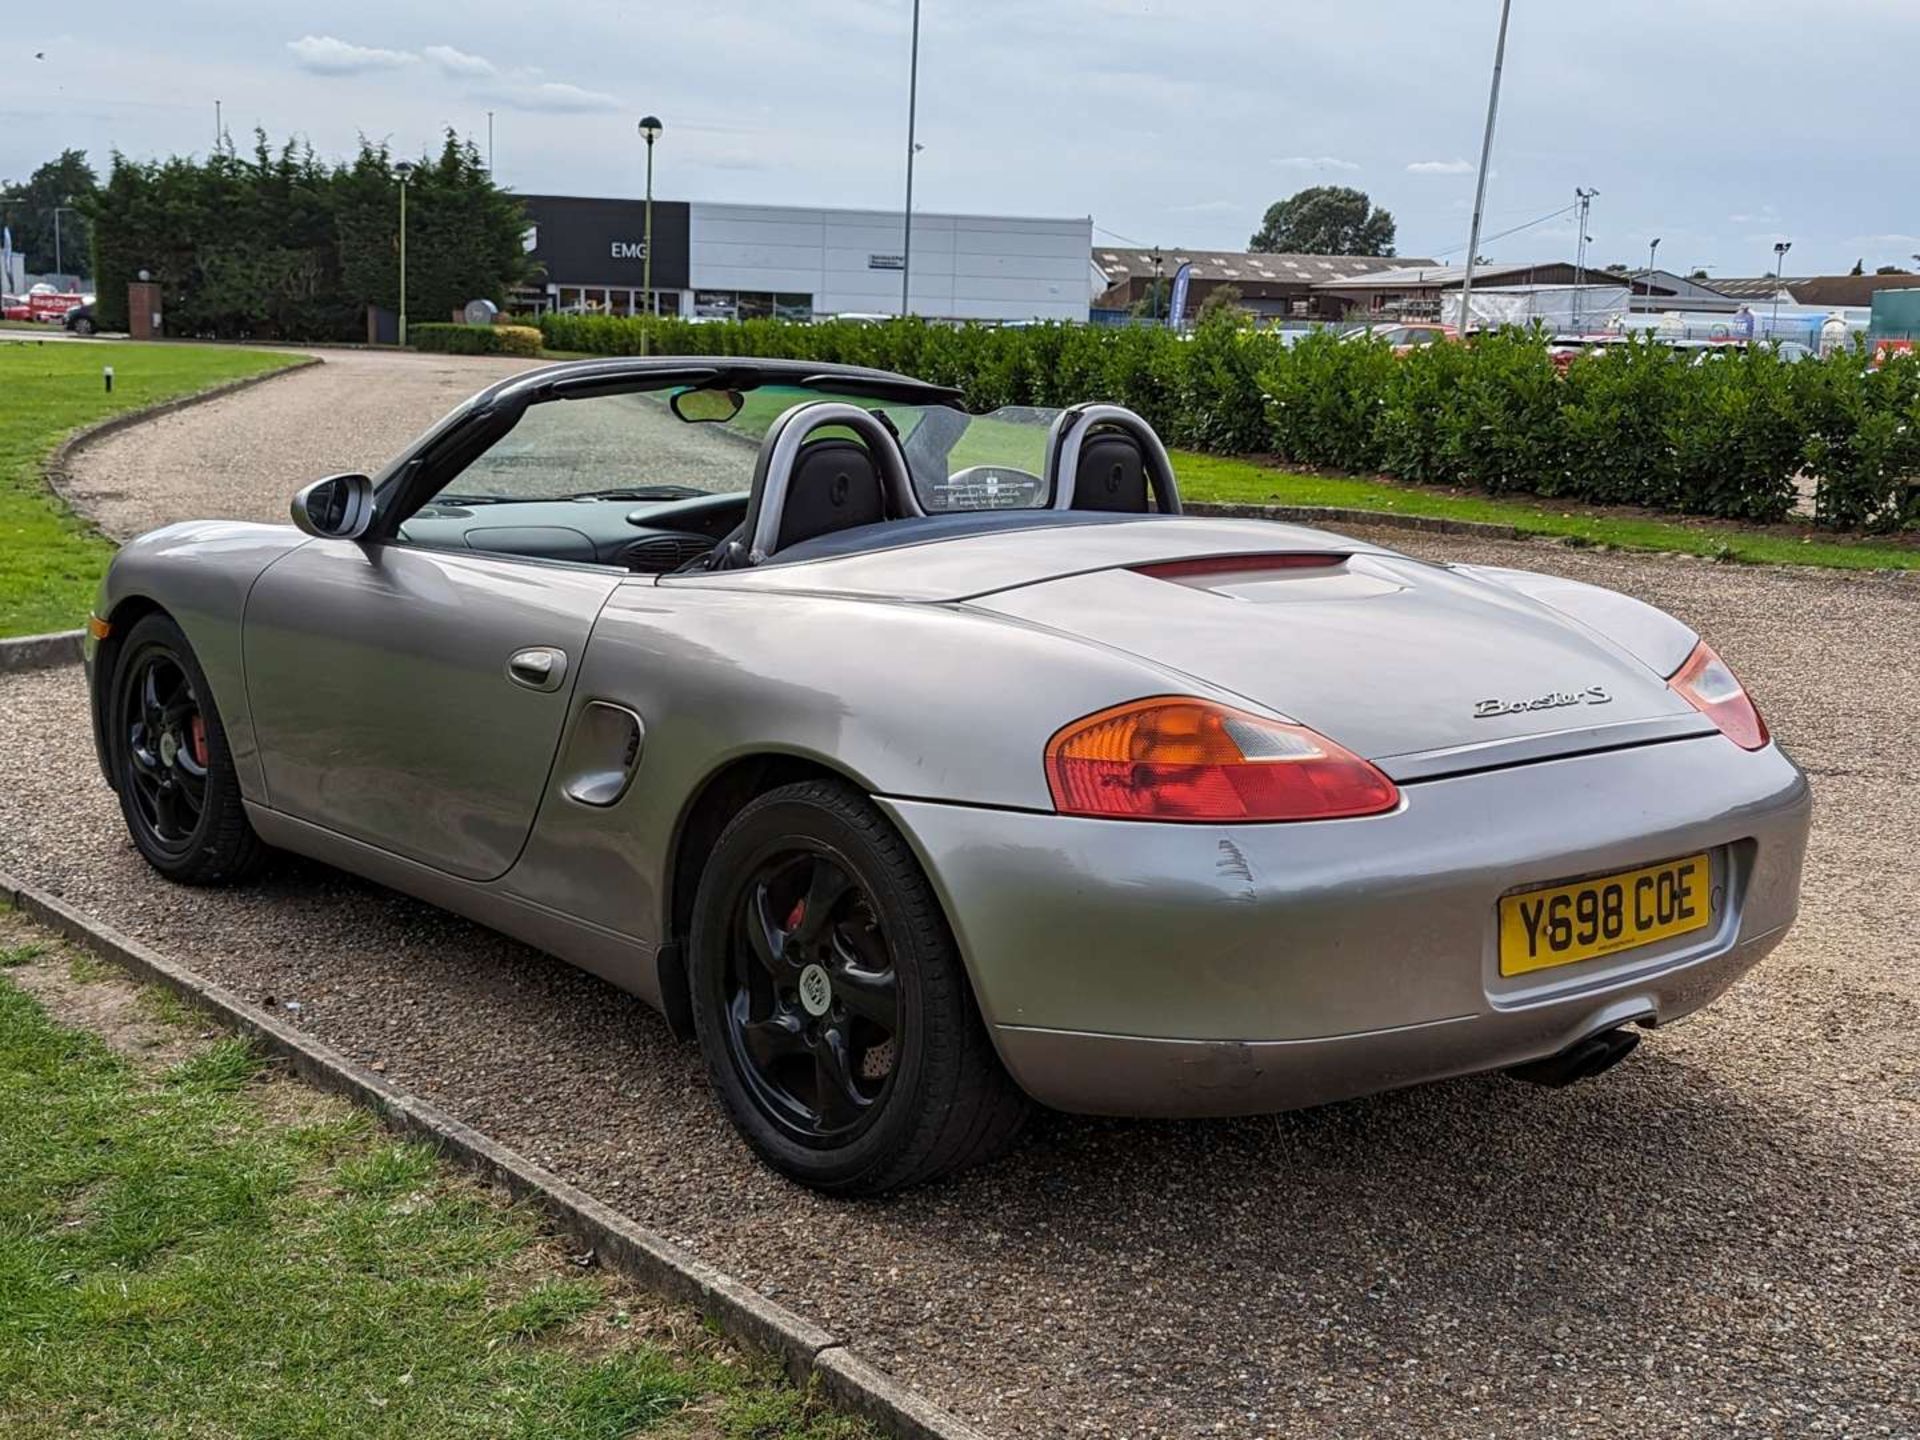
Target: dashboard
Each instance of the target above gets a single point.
(648, 537)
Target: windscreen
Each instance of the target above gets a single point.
(633, 446)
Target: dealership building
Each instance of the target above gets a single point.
(728, 262)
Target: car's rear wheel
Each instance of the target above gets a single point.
(831, 1002)
(171, 765)
(83, 326)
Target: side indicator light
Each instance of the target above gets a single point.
(99, 629)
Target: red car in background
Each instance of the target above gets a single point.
(15, 307)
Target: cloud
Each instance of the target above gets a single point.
(519, 88)
(1440, 167)
(459, 62)
(324, 55)
(1313, 162)
(553, 96)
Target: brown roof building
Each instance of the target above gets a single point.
(1271, 286)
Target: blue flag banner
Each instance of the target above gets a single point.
(1177, 311)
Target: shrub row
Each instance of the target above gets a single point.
(1635, 425)
(476, 339)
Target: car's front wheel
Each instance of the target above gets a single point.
(83, 326)
(171, 765)
(831, 1003)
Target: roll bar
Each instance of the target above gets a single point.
(773, 472)
(1069, 435)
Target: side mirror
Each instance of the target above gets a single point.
(339, 507)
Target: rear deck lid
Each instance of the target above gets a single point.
(1424, 671)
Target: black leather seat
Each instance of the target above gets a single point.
(835, 486)
(1111, 475)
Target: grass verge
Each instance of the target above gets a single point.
(193, 1244)
(50, 559)
(1211, 477)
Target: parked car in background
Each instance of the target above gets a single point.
(1412, 336)
(80, 320)
(15, 307)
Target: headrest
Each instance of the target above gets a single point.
(1111, 475)
(835, 486)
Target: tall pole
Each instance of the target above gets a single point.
(913, 106)
(405, 171)
(489, 144)
(1779, 270)
(1480, 186)
(650, 128)
(1652, 246)
(1584, 198)
(58, 267)
(219, 130)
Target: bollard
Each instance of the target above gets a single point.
(106, 372)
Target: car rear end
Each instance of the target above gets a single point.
(1504, 829)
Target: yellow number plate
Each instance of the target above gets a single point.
(1563, 924)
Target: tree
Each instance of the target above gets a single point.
(281, 245)
(66, 183)
(1325, 220)
(1222, 300)
(1889, 270)
(1698, 275)
(1859, 267)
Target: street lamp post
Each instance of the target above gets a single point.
(1480, 185)
(1652, 246)
(405, 171)
(650, 129)
(1159, 261)
(1780, 250)
(913, 105)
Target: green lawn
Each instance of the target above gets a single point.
(192, 1245)
(1210, 477)
(50, 561)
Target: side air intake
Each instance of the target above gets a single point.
(659, 554)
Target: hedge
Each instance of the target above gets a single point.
(475, 339)
(1636, 424)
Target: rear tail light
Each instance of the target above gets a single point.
(1173, 758)
(1706, 683)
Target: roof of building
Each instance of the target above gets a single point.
(1425, 275)
(1120, 265)
(1845, 290)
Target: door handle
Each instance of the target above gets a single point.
(539, 667)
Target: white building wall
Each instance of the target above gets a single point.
(965, 267)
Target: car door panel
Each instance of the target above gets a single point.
(383, 701)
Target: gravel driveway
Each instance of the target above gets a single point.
(1721, 1236)
(241, 457)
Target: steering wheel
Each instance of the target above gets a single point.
(988, 487)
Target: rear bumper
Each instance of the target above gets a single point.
(1203, 970)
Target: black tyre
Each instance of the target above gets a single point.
(83, 326)
(831, 1002)
(171, 763)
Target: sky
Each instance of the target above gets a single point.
(1719, 126)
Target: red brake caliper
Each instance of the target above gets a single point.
(798, 913)
(200, 742)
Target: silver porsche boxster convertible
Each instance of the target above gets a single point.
(923, 763)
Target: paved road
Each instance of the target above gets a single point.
(1722, 1236)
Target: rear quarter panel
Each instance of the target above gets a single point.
(924, 701)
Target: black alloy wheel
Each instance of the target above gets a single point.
(813, 1010)
(836, 1017)
(166, 749)
(167, 752)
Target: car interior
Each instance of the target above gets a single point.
(829, 478)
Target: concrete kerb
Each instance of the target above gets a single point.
(40, 652)
(806, 1350)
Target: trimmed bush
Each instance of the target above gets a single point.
(476, 339)
(1636, 424)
